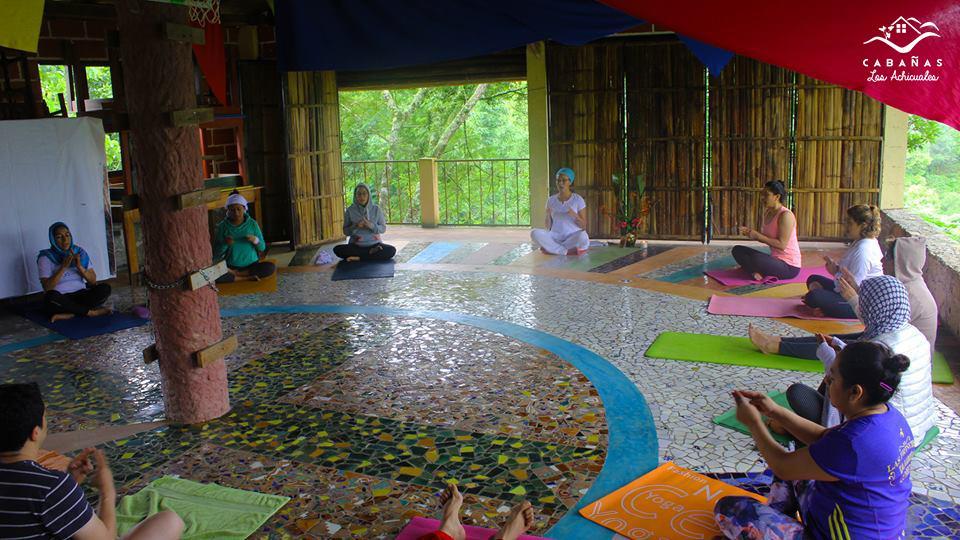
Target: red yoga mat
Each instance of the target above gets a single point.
(762, 307)
(419, 526)
(735, 277)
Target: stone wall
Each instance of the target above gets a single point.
(942, 271)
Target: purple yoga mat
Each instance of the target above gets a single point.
(419, 526)
(762, 307)
(735, 277)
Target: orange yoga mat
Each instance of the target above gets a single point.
(668, 502)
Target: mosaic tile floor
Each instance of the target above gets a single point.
(360, 418)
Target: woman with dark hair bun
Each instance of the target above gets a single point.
(850, 481)
(779, 231)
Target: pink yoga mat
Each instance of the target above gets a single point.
(762, 307)
(735, 277)
(419, 526)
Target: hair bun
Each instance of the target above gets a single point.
(898, 363)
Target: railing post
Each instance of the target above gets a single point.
(429, 193)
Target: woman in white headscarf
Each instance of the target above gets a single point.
(239, 241)
(363, 223)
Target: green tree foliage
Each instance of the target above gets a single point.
(53, 81)
(470, 192)
(933, 174)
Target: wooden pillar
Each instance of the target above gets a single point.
(429, 193)
(893, 167)
(159, 79)
(538, 131)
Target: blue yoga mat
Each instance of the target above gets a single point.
(84, 327)
(363, 270)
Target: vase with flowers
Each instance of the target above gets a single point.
(633, 209)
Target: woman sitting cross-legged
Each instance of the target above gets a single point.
(363, 223)
(863, 260)
(566, 218)
(779, 231)
(238, 239)
(850, 481)
(70, 285)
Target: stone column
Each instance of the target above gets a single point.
(159, 78)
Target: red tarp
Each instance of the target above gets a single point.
(905, 54)
(212, 60)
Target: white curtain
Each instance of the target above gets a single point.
(51, 170)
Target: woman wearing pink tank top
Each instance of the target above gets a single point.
(779, 231)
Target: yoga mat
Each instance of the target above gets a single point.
(735, 277)
(668, 502)
(83, 327)
(265, 285)
(435, 252)
(737, 351)
(208, 510)
(729, 418)
(419, 526)
(362, 270)
(941, 370)
(762, 307)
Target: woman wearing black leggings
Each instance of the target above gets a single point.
(779, 231)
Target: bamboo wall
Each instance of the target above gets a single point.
(313, 153)
(839, 137)
(641, 107)
(585, 92)
(665, 135)
(751, 106)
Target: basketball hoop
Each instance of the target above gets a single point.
(202, 12)
(205, 12)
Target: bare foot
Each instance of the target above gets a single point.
(765, 342)
(813, 285)
(61, 317)
(776, 427)
(98, 312)
(352, 259)
(452, 500)
(757, 276)
(519, 520)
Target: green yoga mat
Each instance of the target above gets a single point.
(729, 418)
(738, 351)
(208, 510)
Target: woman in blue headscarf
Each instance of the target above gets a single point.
(70, 285)
(363, 223)
(566, 218)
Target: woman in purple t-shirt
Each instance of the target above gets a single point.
(852, 480)
(69, 284)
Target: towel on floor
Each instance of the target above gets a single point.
(208, 510)
(419, 526)
(763, 307)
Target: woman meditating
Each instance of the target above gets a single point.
(238, 239)
(566, 218)
(363, 223)
(70, 285)
(850, 481)
(863, 260)
(779, 231)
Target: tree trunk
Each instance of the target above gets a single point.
(398, 119)
(458, 120)
(159, 78)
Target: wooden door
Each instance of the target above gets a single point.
(313, 156)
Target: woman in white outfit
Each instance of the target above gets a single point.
(566, 217)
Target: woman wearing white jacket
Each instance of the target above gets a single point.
(884, 308)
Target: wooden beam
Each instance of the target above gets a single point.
(150, 354)
(184, 33)
(208, 275)
(189, 117)
(216, 351)
(199, 197)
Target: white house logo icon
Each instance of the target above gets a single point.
(904, 29)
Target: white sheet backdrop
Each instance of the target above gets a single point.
(51, 170)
